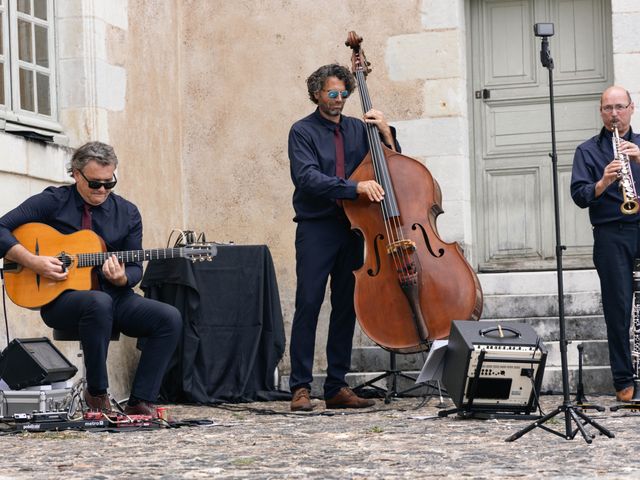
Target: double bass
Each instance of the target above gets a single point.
(412, 284)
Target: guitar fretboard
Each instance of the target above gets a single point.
(93, 259)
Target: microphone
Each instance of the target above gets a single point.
(544, 30)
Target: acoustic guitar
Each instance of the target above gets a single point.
(79, 252)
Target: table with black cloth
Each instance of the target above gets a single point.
(233, 335)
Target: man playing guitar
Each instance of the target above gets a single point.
(113, 306)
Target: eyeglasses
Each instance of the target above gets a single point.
(618, 108)
(334, 93)
(95, 185)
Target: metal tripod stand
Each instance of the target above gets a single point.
(571, 412)
(393, 373)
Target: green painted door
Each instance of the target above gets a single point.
(512, 125)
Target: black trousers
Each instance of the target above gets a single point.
(324, 248)
(97, 313)
(615, 247)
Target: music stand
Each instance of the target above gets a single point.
(571, 412)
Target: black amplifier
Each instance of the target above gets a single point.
(493, 366)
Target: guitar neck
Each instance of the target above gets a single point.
(95, 259)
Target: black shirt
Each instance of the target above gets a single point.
(312, 156)
(589, 161)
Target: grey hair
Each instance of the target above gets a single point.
(96, 151)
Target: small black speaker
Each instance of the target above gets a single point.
(34, 361)
(493, 366)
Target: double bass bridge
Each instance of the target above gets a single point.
(401, 247)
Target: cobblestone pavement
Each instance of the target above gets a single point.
(264, 440)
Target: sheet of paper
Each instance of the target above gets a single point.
(433, 366)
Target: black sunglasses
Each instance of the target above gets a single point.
(95, 185)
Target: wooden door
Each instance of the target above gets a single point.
(512, 125)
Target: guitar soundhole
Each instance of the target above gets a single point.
(67, 260)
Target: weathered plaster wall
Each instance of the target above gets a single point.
(244, 66)
(119, 83)
(197, 97)
(146, 134)
(626, 54)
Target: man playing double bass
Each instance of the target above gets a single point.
(324, 149)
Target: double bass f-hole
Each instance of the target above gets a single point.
(412, 284)
(427, 242)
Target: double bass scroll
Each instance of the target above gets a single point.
(412, 284)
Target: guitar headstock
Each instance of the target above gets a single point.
(200, 252)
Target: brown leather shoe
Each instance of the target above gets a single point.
(98, 403)
(141, 408)
(301, 400)
(346, 398)
(625, 395)
(145, 408)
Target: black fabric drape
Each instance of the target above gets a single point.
(233, 335)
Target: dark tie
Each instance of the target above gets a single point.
(337, 136)
(86, 217)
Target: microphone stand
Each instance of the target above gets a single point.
(572, 413)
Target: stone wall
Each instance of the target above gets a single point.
(626, 55)
(197, 97)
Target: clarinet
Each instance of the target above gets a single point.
(635, 332)
(625, 177)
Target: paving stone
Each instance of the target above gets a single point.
(402, 439)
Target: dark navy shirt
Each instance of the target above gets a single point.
(117, 221)
(589, 162)
(312, 156)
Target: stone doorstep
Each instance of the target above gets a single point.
(375, 359)
(356, 379)
(527, 283)
(595, 353)
(540, 305)
(586, 327)
(595, 379)
(577, 328)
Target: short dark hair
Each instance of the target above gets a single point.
(96, 151)
(316, 80)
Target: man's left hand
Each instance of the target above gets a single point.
(114, 271)
(631, 150)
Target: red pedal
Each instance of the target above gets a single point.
(91, 415)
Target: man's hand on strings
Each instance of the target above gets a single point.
(114, 271)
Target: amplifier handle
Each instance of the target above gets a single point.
(500, 329)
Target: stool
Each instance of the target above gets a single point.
(73, 334)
